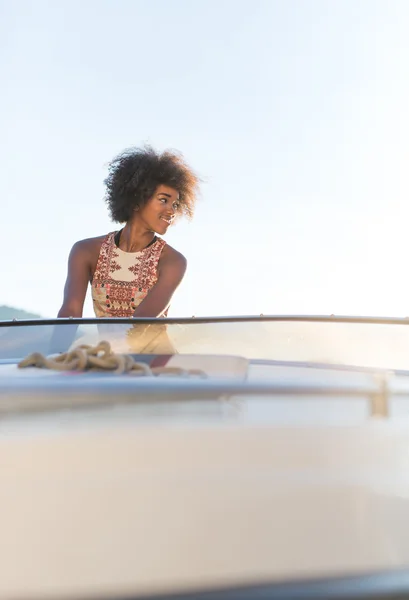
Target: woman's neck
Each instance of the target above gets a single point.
(135, 237)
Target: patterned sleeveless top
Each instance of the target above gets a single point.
(123, 279)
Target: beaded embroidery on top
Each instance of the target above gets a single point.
(123, 279)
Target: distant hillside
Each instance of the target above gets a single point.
(8, 312)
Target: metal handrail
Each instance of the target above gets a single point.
(208, 319)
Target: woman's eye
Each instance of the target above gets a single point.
(176, 205)
(162, 200)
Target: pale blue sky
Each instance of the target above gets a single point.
(295, 112)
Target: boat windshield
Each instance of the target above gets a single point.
(357, 342)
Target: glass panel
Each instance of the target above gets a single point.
(373, 345)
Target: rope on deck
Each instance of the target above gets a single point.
(101, 358)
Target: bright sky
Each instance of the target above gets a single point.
(294, 112)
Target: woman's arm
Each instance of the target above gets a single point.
(171, 270)
(78, 277)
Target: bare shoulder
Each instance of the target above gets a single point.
(87, 250)
(84, 256)
(170, 256)
(89, 244)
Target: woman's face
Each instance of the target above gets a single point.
(160, 210)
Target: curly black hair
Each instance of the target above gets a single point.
(135, 174)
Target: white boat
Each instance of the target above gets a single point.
(269, 458)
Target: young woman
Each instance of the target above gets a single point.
(132, 271)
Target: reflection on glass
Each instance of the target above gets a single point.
(373, 345)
